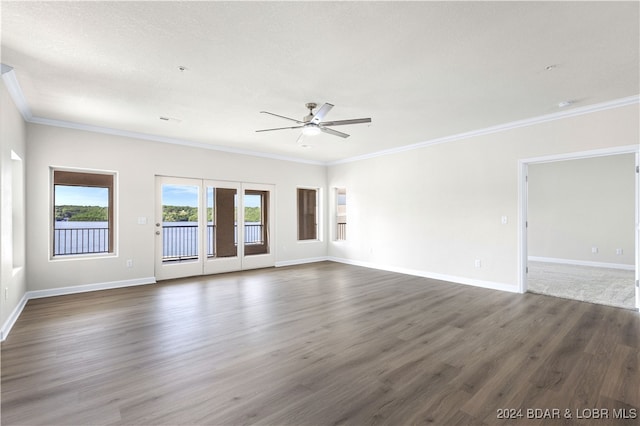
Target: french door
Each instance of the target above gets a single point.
(208, 227)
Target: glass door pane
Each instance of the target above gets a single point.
(221, 227)
(178, 227)
(222, 220)
(180, 219)
(256, 237)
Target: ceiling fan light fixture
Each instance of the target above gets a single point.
(311, 130)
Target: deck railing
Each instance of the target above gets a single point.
(80, 240)
(181, 242)
(341, 233)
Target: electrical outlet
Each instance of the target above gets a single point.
(618, 251)
(478, 263)
(594, 250)
(129, 263)
(6, 293)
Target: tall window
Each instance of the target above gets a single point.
(341, 214)
(307, 214)
(83, 213)
(256, 236)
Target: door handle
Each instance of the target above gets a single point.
(157, 232)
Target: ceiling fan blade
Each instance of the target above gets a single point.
(324, 109)
(333, 132)
(279, 128)
(282, 116)
(343, 122)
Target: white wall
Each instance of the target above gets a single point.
(12, 207)
(137, 162)
(434, 211)
(576, 205)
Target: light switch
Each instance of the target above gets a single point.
(504, 220)
(142, 220)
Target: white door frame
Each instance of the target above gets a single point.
(523, 167)
(263, 260)
(216, 265)
(204, 265)
(164, 271)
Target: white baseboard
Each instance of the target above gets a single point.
(582, 263)
(301, 261)
(37, 294)
(11, 320)
(425, 274)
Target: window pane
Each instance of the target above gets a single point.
(256, 235)
(82, 219)
(221, 222)
(341, 214)
(211, 230)
(307, 214)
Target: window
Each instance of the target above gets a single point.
(83, 213)
(341, 214)
(307, 214)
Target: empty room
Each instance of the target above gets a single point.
(319, 213)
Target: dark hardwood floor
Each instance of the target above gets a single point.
(319, 344)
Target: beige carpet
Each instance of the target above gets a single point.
(613, 287)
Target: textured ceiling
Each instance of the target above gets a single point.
(420, 70)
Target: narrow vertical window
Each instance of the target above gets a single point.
(341, 214)
(256, 235)
(307, 214)
(83, 213)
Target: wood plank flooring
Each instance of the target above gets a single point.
(318, 344)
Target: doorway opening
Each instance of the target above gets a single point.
(206, 227)
(579, 226)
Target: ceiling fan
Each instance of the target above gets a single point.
(312, 124)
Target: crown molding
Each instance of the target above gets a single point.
(15, 91)
(11, 82)
(163, 139)
(617, 103)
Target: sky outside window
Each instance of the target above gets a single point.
(68, 195)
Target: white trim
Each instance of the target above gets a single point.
(11, 82)
(637, 236)
(15, 91)
(522, 203)
(630, 100)
(301, 261)
(433, 275)
(163, 139)
(581, 155)
(583, 263)
(523, 174)
(61, 291)
(11, 320)
(38, 294)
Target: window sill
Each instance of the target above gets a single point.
(88, 256)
